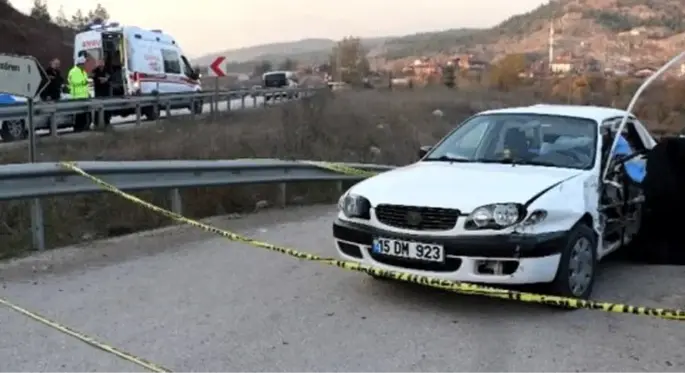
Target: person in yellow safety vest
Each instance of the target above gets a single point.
(78, 89)
(78, 80)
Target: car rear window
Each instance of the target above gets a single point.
(275, 80)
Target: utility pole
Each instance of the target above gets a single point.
(338, 62)
(551, 46)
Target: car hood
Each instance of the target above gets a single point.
(463, 186)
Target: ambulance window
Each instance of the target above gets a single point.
(172, 63)
(94, 53)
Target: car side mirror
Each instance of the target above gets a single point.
(424, 150)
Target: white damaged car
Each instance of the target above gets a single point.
(526, 195)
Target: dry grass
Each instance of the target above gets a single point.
(381, 127)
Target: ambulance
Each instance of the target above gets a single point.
(139, 62)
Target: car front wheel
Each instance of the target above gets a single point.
(13, 130)
(578, 264)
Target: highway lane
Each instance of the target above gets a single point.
(191, 301)
(126, 123)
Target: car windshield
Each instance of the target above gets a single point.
(531, 139)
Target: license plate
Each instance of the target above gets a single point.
(409, 250)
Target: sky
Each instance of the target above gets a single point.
(208, 26)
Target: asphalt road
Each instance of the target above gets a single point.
(194, 302)
(125, 123)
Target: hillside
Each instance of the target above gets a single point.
(259, 51)
(642, 32)
(318, 50)
(24, 35)
(311, 50)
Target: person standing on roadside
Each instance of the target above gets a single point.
(78, 89)
(101, 85)
(53, 89)
(78, 80)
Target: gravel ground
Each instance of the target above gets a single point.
(190, 301)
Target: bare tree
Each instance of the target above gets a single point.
(348, 61)
(61, 18)
(40, 11)
(78, 20)
(99, 13)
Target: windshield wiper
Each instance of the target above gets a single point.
(514, 161)
(447, 158)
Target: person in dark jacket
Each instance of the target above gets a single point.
(53, 89)
(101, 86)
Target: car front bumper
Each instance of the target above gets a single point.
(488, 259)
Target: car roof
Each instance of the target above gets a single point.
(597, 113)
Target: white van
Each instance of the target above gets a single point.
(279, 79)
(140, 62)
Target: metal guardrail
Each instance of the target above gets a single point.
(67, 107)
(37, 180)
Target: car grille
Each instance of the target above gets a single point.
(417, 218)
(450, 264)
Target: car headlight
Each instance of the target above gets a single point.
(495, 216)
(355, 206)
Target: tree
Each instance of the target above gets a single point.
(40, 11)
(78, 20)
(505, 74)
(263, 67)
(288, 64)
(99, 13)
(348, 61)
(61, 19)
(449, 75)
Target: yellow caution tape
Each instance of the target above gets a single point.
(84, 338)
(458, 287)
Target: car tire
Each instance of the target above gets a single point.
(13, 130)
(578, 265)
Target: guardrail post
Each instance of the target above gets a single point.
(139, 114)
(101, 118)
(37, 227)
(254, 101)
(168, 109)
(53, 124)
(215, 97)
(283, 195)
(176, 201)
(242, 103)
(339, 187)
(192, 105)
